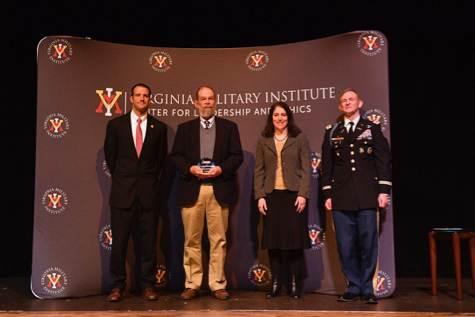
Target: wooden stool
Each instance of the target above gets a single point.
(456, 234)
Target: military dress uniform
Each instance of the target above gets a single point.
(355, 170)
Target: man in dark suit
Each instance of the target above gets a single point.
(207, 153)
(356, 177)
(135, 148)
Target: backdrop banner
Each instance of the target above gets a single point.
(82, 84)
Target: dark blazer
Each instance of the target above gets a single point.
(296, 166)
(355, 171)
(227, 155)
(131, 175)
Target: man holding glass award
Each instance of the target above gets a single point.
(207, 153)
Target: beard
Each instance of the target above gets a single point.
(207, 113)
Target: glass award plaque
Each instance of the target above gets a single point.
(206, 164)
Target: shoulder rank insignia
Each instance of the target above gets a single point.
(328, 127)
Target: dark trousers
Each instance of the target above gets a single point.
(361, 226)
(122, 221)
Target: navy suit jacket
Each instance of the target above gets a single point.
(227, 155)
(133, 176)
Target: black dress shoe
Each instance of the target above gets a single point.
(347, 297)
(294, 289)
(276, 288)
(370, 299)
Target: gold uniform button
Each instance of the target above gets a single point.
(352, 153)
(352, 145)
(352, 161)
(353, 169)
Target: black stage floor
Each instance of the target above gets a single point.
(412, 298)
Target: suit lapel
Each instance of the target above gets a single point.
(220, 133)
(195, 139)
(149, 134)
(128, 127)
(343, 131)
(271, 145)
(289, 142)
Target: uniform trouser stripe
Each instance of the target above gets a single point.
(376, 271)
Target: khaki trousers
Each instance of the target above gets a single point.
(193, 221)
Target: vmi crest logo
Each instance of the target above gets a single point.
(105, 237)
(54, 281)
(56, 125)
(371, 43)
(55, 200)
(316, 236)
(316, 164)
(108, 101)
(384, 284)
(259, 275)
(374, 118)
(160, 61)
(378, 117)
(257, 60)
(162, 276)
(60, 51)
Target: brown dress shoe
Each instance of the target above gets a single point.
(189, 293)
(149, 294)
(115, 296)
(221, 294)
